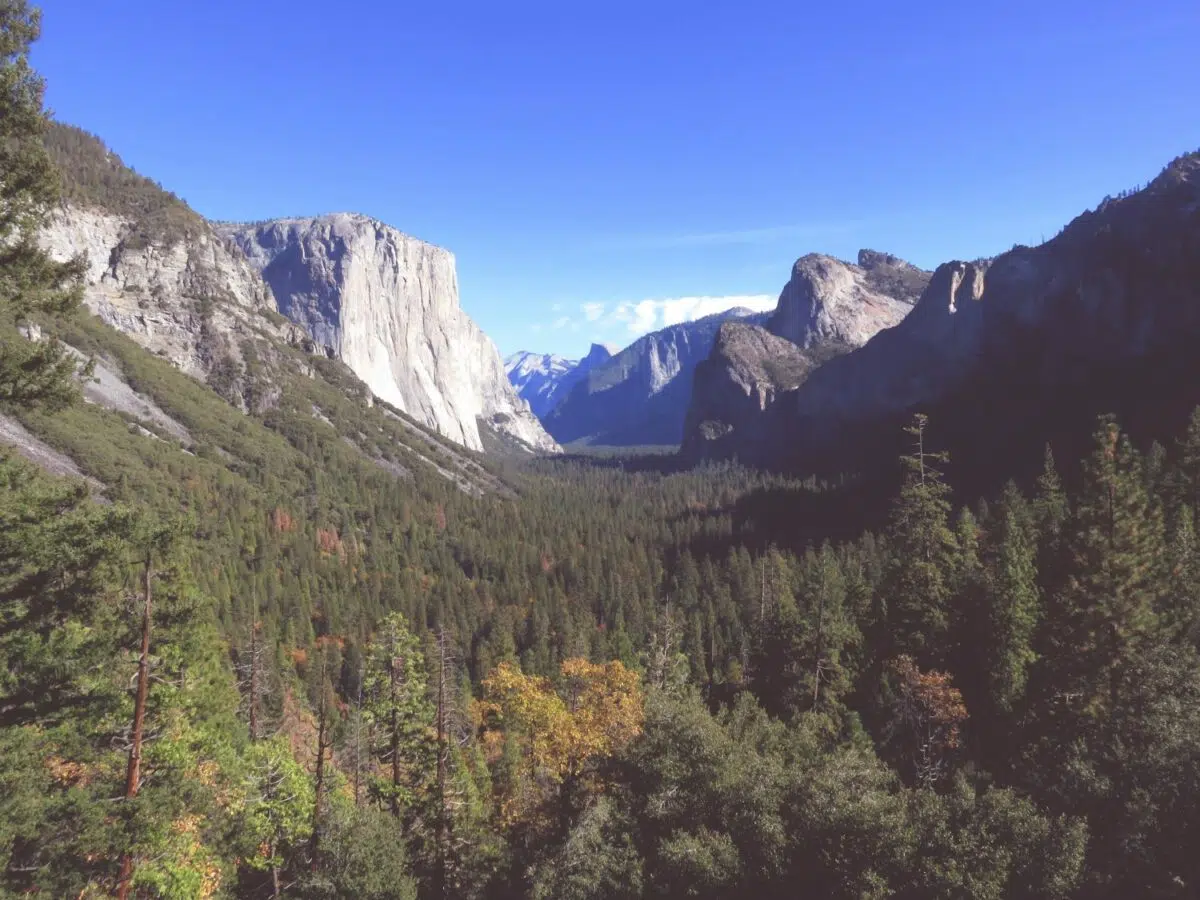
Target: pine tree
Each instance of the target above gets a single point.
(831, 633)
(32, 285)
(1188, 474)
(1106, 613)
(1050, 508)
(398, 712)
(1181, 609)
(1014, 612)
(919, 583)
(968, 591)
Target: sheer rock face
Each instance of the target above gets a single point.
(641, 395)
(732, 389)
(1103, 317)
(387, 305)
(543, 379)
(192, 301)
(828, 308)
(828, 301)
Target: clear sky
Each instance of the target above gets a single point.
(600, 168)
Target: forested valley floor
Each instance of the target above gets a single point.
(603, 681)
(278, 641)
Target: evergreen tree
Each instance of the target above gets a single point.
(1106, 614)
(399, 714)
(919, 584)
(1050, 509)
(1187, 477)
(1014, 612)
(1181, 608)
(32, 285)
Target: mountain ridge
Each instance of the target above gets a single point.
(1020, 348)
(639, 397)
(542, 379)
(828, 308)
(185, 288)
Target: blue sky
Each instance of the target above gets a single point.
(601, 168)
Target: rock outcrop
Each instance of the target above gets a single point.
(828, 308)
(1005, 354)
(542, 379)
(387, 305)
(830, 302)
(640, 397)
(191, 299)
(747, 368)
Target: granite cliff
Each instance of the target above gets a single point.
(829, 302)
(194, 293)
(747, 368)
(1009, 352)
(387, 305)
(828, 308)
(542, 379)
(194, 301)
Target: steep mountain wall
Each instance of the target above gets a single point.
(1005, 354)
(543, 379)
(748, 367)
(828, 301)
(641, 395)
(191, 299)
(387, 305)
(828, 308)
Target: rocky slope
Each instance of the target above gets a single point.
(641, 395)
(1036, 342)
(830, 302)
(542, 379)
(192, 301)
(158, 272)
(828, 307)
(747, 368)
(386, 304)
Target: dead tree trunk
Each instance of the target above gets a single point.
(133, 773)
(443, 753)
(314, 843)
(255, 682)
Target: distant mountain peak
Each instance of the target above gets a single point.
(542, 379)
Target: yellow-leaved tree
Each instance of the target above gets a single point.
(542, 737)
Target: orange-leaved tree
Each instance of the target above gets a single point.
(930, 712)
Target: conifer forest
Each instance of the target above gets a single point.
(281, 660)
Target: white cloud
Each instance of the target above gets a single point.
(561, 322)
(649, 315)
(645, 317)
(685, 309)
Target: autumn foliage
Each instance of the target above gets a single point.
(557, 731)
(930, 711)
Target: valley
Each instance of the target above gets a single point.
(306, 592)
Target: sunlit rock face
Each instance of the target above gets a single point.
(543, 379)
(829, 307)
(387, 305)
(193, 300)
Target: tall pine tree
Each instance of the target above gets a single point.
(32, 284)
(919, 583)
